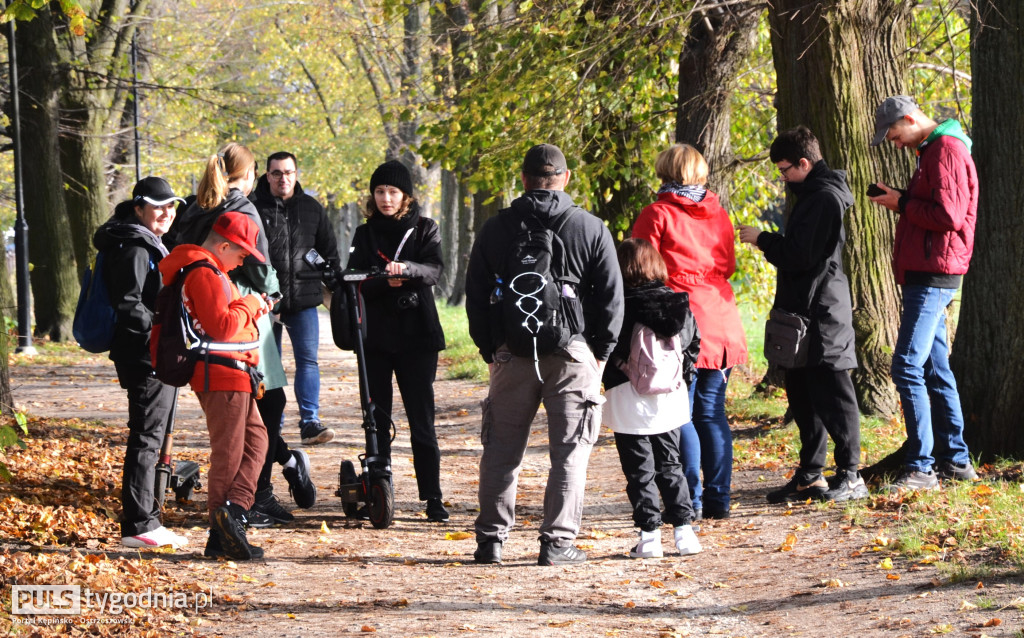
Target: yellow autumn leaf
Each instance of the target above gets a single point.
(323, 528)
(941, 629)
(966, 606)
(886, 563)
(457, 536)
(931, 547)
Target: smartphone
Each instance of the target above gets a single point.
(273, 297)
(314, 259)
(874, 190)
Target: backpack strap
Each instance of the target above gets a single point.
(203, 346)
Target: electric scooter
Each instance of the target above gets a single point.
(374, 485)
(184, 478)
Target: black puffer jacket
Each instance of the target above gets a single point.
(811, 279)
(131, 255)
(293, 227)
(393, 322)
(664, 311)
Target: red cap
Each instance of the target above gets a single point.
(239, 229)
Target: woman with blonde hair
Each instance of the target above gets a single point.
(695, 236)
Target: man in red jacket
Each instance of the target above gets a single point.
(933, 246)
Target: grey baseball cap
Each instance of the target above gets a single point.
(889, 112)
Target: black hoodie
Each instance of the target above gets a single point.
(129, 271)
(590, 257)
(809, 257)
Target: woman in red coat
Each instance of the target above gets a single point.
(695, 236)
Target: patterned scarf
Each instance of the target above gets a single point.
(694, 193)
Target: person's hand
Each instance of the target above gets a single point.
(890, 200)
(395, 268)
(749, 234)
(263, 307)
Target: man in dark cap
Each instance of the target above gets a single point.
(933, 247)
(544, 301)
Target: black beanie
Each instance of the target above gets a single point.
(392, 173)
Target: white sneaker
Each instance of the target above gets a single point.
(649, 545)
(158, 537)
(686, 541)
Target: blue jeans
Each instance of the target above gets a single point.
(920, 370)
(706, 442)
(304, 333)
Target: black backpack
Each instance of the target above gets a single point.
(540, 311)
(174, 344)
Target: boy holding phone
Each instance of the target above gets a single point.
(931, 253)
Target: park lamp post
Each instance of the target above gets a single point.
(20, 225)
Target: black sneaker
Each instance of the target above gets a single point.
(314, 433)
(846, 486)
(300, 484)
(269, 507)
(488, 553)
(950, 471)
(800, 488)
(436, 511)
(229, 521)
(257, 519)
(213, 547)
(551, 555)
(711, 512)
(909, 480)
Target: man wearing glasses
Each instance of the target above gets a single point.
(295, 223)
(812, 284)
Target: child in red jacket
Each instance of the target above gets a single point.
(238, 438)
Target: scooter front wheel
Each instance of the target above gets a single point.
(382, 502)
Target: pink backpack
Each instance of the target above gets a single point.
(655, 365)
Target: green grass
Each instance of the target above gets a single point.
(55, 354)
(461, 356)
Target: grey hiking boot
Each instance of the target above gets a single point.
(913, 480)
(550, 555)
(846, 485)
(950, 471)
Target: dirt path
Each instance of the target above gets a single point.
(767, 571)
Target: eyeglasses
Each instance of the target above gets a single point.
(280, 174)
(783, 169)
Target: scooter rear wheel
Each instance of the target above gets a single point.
(382, 503)
(349, 477)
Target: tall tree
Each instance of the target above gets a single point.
(94, 89)
(835, 61)
(54, 279)
(718, 40)
(988, 355)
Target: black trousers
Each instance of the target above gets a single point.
(651, 465)
(415, 373)
(271, 408)
(149, 406)
(823, 403)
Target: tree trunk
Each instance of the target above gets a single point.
(82, 162)
(6, 342)
(467, 234)
(835, 62)
(717, 43)
(53, 278)
(988, 356)
(449, 222)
